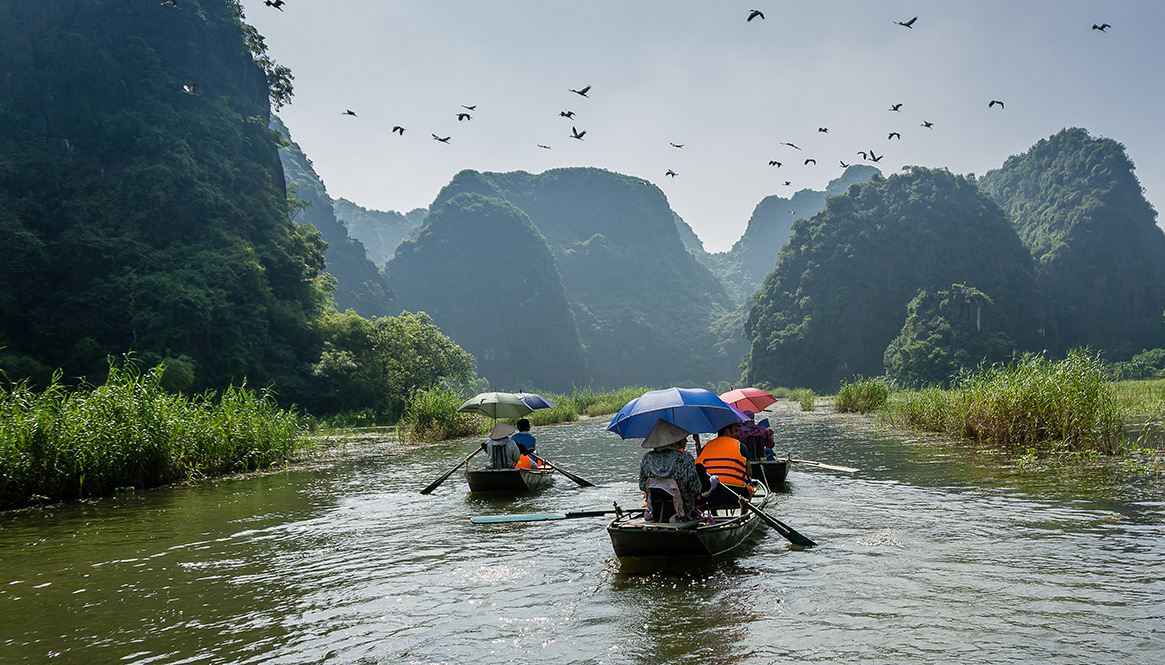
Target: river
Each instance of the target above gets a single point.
(929, 554)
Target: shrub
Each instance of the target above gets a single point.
(862, 395)
(805, 397)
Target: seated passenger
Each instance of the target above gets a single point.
(726, 458)
(524, 438)
(503, 453)
(757, 438)
(666, 469)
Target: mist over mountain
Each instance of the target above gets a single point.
(379, 230)
(643, 305)
(359, 284)
(485, 275)
(1099, 254)
(754, 255)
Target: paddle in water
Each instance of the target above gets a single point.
(806, 462)
(784, 529)
(538, 517)
(433, 485)
(582, 482)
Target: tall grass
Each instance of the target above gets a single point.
(862, 396)
(805, 397)
(67, 444)
(431, 415)
(1031, 404)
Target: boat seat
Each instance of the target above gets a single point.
(663, 499)
(755, 446)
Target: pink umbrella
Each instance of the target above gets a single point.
(749, 399)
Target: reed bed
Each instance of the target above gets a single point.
(862, 396)
(805, 397)
(1032, 404)
(61, 444)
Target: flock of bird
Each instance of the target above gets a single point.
(465, 114)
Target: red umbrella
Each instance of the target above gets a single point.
(749, 399)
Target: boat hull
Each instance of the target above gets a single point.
(508, 480)
(634, 537)
(772, 472)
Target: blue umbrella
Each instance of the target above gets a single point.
(535, 401)
(694, 409)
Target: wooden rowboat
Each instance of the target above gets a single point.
(508, 480)
(632, 536)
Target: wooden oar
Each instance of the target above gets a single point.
(582, 482)
(782, 528)
(538, 517)
(825, 466)
(432, 486)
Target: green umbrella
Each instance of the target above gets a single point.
(496, 405)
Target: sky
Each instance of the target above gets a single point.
(697, 73)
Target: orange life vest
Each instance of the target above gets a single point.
(524, 462)
(721, 457)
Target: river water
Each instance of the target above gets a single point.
(927, 555)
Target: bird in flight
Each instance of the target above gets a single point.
(349, 112)
(787, 183)
(790, 145)
(1102, 27)
(676, 145)
(543, 146)
(756, 13)
(567, 114)
(399, 130)
(928, 125)
(575, 134)
(810, 160)
(894, 135)
(773, 162)
(843, 164)
(582, 92)
(863, 154)
(896, 107)
(463, 116)
(278, 4)
(907, 24)
(442, 140)
(671, 173)
(190, 89)
(469, 108)
(875, 158)
(823, 130)
(994, 102)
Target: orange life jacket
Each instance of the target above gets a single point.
(524, 462)
(721, 457)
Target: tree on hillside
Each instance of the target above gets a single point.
(1099, 254)
(839, 293)
(945, 332)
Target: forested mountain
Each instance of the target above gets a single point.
(485, 275)
(142, 202)
(1099, 254)
(842, 285)
(754, 255)
(380, 230)
(359, 284)
(643, 305)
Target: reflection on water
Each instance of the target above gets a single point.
(929, 554)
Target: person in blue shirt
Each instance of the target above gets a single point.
(524, 438)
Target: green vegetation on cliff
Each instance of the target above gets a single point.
(840, 291)
(1099, 254)
(142, 201)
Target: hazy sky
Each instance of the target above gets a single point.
(697, 73)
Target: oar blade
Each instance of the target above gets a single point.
(785, 530)
(529, 517)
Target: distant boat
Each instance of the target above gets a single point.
(508, 480)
